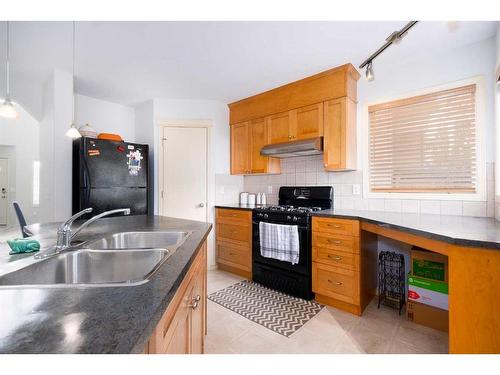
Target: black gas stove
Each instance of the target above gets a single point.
(296, 204)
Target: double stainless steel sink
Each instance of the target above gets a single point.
(121, 259)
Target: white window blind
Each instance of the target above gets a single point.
(425, 143)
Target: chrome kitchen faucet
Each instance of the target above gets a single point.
(65, 235)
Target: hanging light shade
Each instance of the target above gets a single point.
(73, 132)
(8, 108)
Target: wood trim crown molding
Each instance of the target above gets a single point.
(330, 84)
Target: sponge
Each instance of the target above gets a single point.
(23, 245)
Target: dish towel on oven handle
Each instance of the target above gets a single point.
(280, 242)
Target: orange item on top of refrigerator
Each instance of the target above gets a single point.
(110, 137)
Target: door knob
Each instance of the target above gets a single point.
(201, 204)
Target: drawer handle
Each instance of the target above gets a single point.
(334, 282)
(234, 232)
(336, 242)
(194, 302)
(335, 257)
(334, 225)
(232, 254)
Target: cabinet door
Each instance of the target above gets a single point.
(339, 134)
(177, 338)
(198, 312)
(279, 128)
(240, 154)
(334, 134)
(307, 122)
(259, 137)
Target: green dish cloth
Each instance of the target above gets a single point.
(23, 245)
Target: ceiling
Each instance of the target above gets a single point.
(129, 62)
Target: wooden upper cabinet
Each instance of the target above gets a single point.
(339, 134)
(319, 105)
(258, 138)
(240, 161)
(307, 122)
(247, 139)
(279, 127)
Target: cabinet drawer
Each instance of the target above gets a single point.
(223, 213)
(339, 242)
(336, 258)
(335, 282)
(336, 226)
(234, 255)
(234, 232)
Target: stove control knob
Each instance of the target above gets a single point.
(289, 217)
(260, 215)
(266, 216)
(295, 218)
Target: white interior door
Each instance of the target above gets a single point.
(184, 173)
(4, 189)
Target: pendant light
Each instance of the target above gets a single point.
(7, 109)
(73, 131)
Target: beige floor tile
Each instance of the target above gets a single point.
(330, 331)
(367, 341)
(397, 346)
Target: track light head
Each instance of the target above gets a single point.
(369, 72)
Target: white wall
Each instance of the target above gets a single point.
(393, 80)
(497, 128)
(105, 117)
(19, 143)
(218, 114)
(56, 149)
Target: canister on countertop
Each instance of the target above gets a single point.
(259, 198)
(251, 199)
(244, 198)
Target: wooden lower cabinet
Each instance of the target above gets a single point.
(343, 273)
(234, 241)
(182, 328)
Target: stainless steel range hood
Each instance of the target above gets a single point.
(313, 146)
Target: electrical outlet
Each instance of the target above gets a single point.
(356, 189)
(221, 190)
(269, 189)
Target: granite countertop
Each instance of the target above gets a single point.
(458, 230)
(245, 207)
(93, 319)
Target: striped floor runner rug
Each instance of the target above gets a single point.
(276, 311)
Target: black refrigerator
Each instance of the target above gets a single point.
(109, 175)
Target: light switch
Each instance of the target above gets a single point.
(221, 190)
(356, 189)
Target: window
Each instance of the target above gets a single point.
(36, 183)
(425, 144)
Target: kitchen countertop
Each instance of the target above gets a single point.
(93, 319)
(458, 230)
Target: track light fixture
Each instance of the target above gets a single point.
(396, 38)
(369, 72)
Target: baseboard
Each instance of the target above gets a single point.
(237, 271)
(350, 308)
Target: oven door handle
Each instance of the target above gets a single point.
(300, 227)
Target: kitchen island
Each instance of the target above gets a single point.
(116, 319)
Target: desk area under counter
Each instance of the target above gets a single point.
(472, 245)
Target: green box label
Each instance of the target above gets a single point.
(435, 286)
(429, 269)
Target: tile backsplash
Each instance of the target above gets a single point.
(308, 171)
